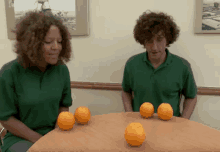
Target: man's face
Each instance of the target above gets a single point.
(52, 45)
(156, 47)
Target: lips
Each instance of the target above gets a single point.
(53, 55)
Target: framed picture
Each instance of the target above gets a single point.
(74, 13)
(207, 18)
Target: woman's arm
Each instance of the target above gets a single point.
(61, 109)
(19, 129)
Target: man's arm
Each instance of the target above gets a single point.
(188, 107)
(127, 100)
(61, 109)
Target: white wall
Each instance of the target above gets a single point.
(101, 56)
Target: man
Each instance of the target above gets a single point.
(158, 76)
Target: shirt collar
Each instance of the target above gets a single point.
(33, 67)
(167, 61)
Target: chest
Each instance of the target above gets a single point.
(167, 80)
(32, 89)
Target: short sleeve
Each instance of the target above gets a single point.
(7, 94)
(189, 87)
(126, 85)
(66, 100)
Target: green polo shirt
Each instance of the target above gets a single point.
(33, 97)
(161, 85)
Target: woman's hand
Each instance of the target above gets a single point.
(61, 109)
(56, 126)
(35, 138)
(18, 128)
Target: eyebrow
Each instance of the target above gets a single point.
(161, 35)
(52, 38)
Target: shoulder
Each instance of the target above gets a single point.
(135, 58)
(9, 68)
(180, 61)
(182, 64)
(62, 68)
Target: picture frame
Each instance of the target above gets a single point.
(81, 11)
(207, 19)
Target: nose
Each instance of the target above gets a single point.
(55, 45)
(154, 45)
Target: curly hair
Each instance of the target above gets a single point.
(30, 33)
(151, 23)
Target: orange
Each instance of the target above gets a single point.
(65, 120)
(165, 111)
(135, 134)
(82, 115)
(147, 110)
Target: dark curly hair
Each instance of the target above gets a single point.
(30, 33)
(151, 23)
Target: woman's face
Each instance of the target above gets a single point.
(52, 45)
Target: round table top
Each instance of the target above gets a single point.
(106, 133)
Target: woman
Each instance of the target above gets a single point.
(35, 87)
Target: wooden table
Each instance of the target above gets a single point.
(106, 133)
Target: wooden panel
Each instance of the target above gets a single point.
(118, 87)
